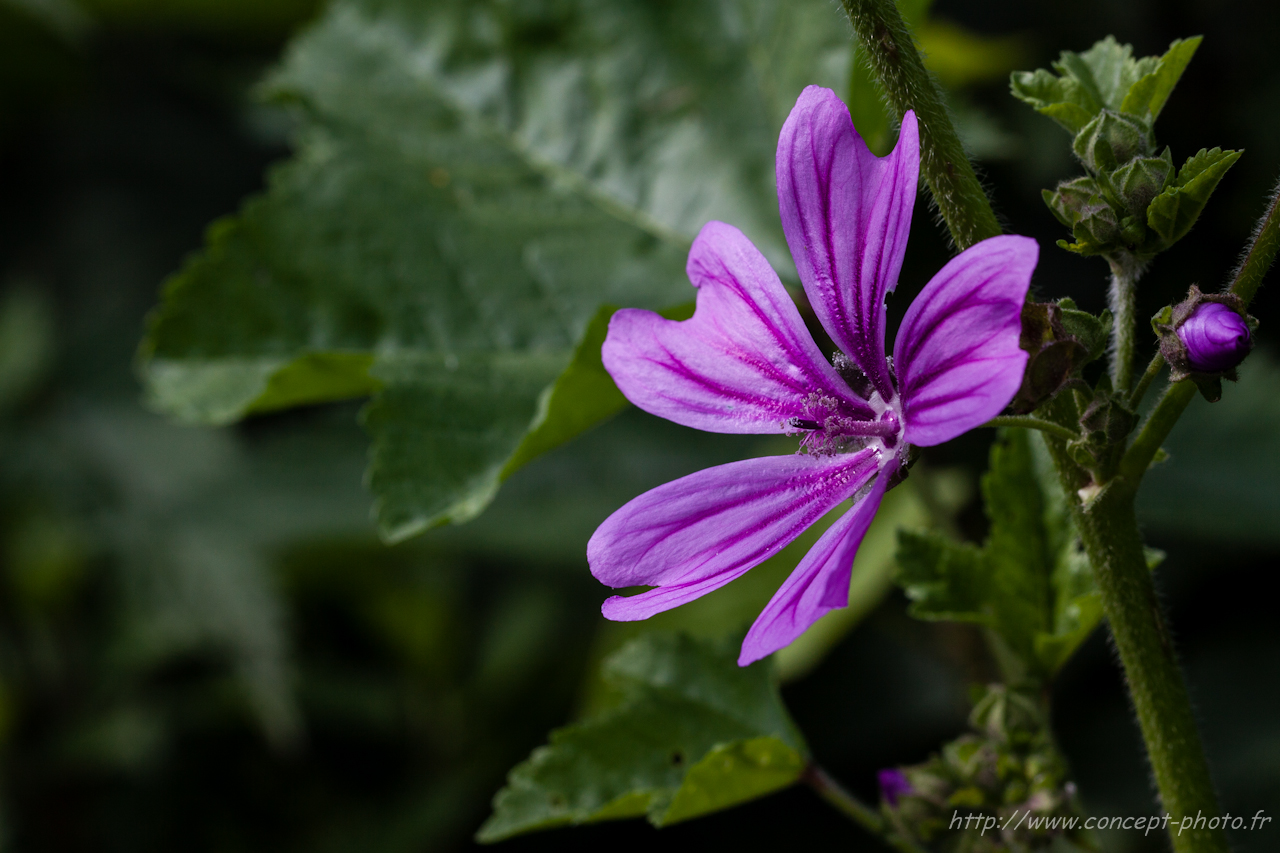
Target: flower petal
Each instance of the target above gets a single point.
(847, 215)
(697, 533)
(819, 584)
(957, 353)
(744, 363)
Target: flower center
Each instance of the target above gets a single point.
(829, 428)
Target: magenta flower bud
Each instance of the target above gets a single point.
(893, 784)
(1216, 338)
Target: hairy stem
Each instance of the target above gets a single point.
(1148, 376)
(1137, 459)
(853, 808)
(1029, 422)
(1109, 530)
(1124, 307)
(1245, 282)
(1261, 252)
(896, 63)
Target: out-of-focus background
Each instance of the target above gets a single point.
(205, 647)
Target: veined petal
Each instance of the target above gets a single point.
(744, 363)
(847, 215)
(697, 533)
(819, 584)
(957, 353)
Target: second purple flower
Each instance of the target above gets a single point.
(744, 363)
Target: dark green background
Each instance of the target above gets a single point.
(203, 645)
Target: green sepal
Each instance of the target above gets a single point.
(1172, 213)
(1094, 332)
(690, 733)
(1112, 139)
(1141, 180)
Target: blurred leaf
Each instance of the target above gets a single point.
(1030, 582)
(1172, 213)
(239, 18)
(691, 733)
(1221, 482)
(959, 57)
(26, 344)
(475, 181)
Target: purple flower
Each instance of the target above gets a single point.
(744, 363)
(1216, 337)
(893, 784)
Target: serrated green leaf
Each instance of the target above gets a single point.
(1106, 76)
(1172, 213)
(1062, 99)
(692, 733)
(473, 181)
(1148, 95)
(1030, 583)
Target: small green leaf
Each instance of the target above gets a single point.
(691, 733)
(1106, 76)
(1030, 582)
(1062, 99)
(1172, 213)
(1148, 96)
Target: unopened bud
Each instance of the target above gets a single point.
(1112, 139)
(1069, 200)
(1216, 337)
(1142, 179)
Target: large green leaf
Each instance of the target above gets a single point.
(473, 182)
(691, 733)
(1029, 583)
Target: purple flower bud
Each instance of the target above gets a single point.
(893, 784)
(1216, 337)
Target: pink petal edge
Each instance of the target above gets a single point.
(819, 584)
(957, 354)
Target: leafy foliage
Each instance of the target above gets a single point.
(1030, 582)
(1106, 76)
(691, 733)
(1176, 209)
(465, 199)
(1133, 203)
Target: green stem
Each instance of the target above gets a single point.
(1148, 376)
(1125, 272)
(1245, 282)
(1137, 459)
(1262, 251)
(1109, 530)
(853, 808)
(896, 63)
(1029, 422)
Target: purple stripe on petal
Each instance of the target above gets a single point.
(819, 584)
(957, 353)
(847, 215)
(744, 363)
(695, 534)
